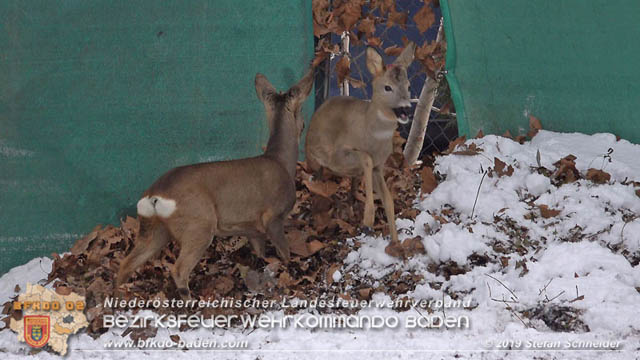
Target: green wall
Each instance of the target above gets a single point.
(100, 97)
(574, 64)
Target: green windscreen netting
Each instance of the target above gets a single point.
(100, 97)
(574, 64)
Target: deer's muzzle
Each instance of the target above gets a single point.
(403, 114)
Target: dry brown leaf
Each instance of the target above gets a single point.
(429, 181)
(374, 41)
(413, 246)
(547, 212)
(343, 69)
(446, 109)
(130, 225)
(501, 168)
(395, 249)
(285, 280)
(504, 261)
(367, 26)
(322, 188)
(365, 293)
(383, 5)
(424, 18)
(299, 246)
(332, 269)
(82, 245)
(508, 135)
(480, 134)
(534, 126)
(351, 13)
(566, 171)
(320, 56)
(224, 285)
(324, 21)
(397, 18)
(394, 50)
(314, 246)
(440, 219)
(453, 144)
(598, 176)
(425, 50)
(350, 229)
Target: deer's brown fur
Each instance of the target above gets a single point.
(248, 197)
(353, 137)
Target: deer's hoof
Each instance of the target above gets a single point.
(184, 293)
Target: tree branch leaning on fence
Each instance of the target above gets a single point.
(421, 115)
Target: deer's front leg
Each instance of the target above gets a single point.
(380, 187)
(367, 166)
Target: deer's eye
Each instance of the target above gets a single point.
(388, 88)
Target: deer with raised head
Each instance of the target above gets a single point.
(248, 197)
(353, 137)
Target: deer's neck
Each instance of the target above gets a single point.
(380, 117)
(283, 144)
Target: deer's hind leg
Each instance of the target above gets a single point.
(153, 237)
(194, 230)
(275, 231)
(194, 241)
(258, 243)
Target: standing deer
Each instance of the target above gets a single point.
(353, 137)
(248, 197)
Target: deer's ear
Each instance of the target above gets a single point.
(302, 89)
(374, 62)
(406, 56)
(263, 87)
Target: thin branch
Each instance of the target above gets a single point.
(478, 193)
(503, 285)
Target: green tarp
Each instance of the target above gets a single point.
(574, 64)
(100, 97)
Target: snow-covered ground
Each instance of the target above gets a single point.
(580, 258)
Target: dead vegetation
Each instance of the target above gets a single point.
(322, 230)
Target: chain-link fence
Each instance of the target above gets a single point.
(442, 127)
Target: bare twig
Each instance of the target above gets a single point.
(515, 297)
(503, 300)
(478, 193)
(506, 303)
(555, 297)
(544, 289)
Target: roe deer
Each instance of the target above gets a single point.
(248, 197)
(353, 137)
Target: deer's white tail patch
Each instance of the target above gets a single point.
(156, 205)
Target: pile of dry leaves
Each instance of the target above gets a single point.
(317, 227)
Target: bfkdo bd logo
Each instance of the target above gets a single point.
(36, 330)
